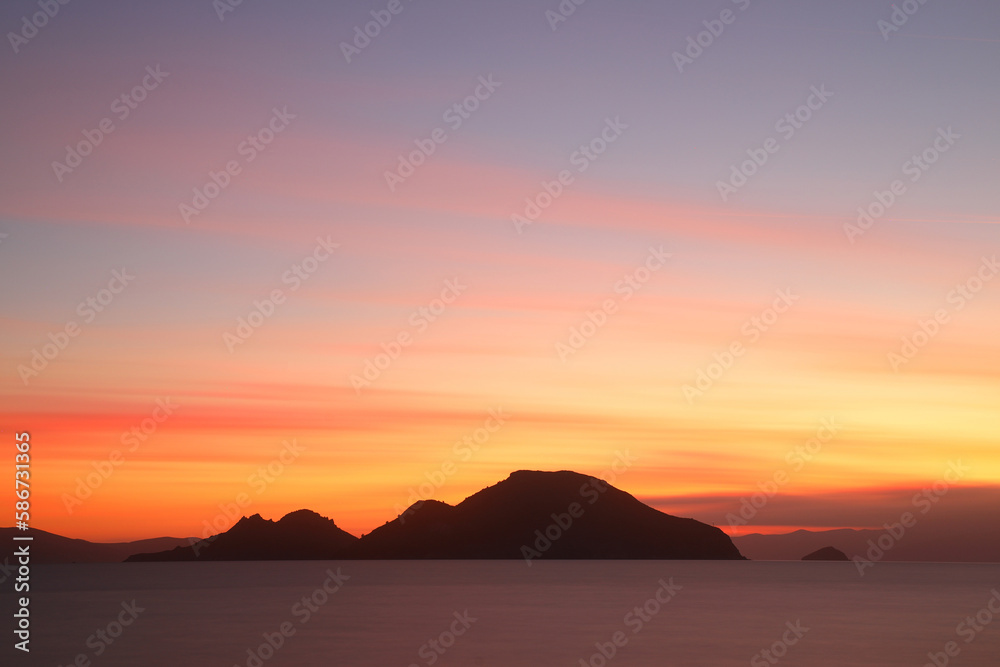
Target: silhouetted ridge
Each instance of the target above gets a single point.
(529, 515)
(300, 535)
(501, 522)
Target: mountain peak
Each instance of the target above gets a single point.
(543, 474)
(304, 517)
(299, 535)
(252, 520)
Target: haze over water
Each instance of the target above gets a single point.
(552, 613)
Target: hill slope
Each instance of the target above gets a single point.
(535, 514)
(51, 548)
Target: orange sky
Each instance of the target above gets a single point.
(639, 312)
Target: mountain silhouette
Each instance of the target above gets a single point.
(51, 548)
(529, 515)
(300, 535)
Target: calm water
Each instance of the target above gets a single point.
(554, 613)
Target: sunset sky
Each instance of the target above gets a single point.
(585, 331)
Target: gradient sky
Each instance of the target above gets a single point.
(495, 346)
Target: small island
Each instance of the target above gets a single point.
(826, 553)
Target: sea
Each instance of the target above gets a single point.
(509, 613)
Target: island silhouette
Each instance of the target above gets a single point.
(530, 515)
(520, 516)
(826, 553)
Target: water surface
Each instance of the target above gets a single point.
(552, 613)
